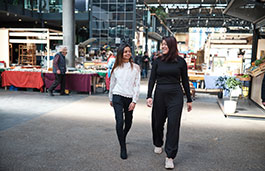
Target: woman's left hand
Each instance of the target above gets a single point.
(189, 106)
(132, 106)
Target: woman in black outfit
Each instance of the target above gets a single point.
(168, 72)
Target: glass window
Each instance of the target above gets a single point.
(129, 25)
(95, 33)
(113, 16)
(105, 25)
(121, 16)
(96, 1)
(96, 16)
(104, 16)
(104, 33)
(102, 1)
(112, 0)
(80, 5)
(129, 7)
(128, 33)
(105, 7)
(129, 1)
(121, 0)
(120, 24)
(94, 24)
(112, 24)
(121, 7)
(112, 32)
(112, 7)
(129, 16)
(96, 8)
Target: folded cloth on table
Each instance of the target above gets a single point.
(210, 82)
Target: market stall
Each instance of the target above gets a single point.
(27, 40)
(228, 53)
(257, 71)
(24, 72)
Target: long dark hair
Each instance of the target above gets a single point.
(172, 54)
(119, 61)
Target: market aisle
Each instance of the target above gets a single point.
(81, 136)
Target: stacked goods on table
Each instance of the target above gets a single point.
(243, 77)
(257, 67)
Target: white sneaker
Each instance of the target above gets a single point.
(158, 150)
(169, 163)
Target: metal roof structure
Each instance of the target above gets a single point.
(183, 14)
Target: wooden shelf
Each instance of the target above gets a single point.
(27, 54)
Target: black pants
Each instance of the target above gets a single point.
(59, 79)
(168, 104)
(123, 117)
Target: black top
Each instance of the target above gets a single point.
(145, 62)
(169, 73)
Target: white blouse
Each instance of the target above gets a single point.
(125, 81)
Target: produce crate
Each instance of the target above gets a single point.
(256, 72)
(262, 66)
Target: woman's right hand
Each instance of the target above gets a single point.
(111, 104)
(149, 102)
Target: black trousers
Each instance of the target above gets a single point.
(59, 79)
(168, 104)
(123, 117)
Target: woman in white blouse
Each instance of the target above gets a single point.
(124, 92)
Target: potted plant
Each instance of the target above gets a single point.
(221, 83)
(160, 12)
(234, 87)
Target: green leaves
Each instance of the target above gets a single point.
(232, 83)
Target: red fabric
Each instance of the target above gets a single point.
(22, 79)
(107, 81)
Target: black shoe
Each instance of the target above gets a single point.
(123, 153)
(50, 93)
(64, 94)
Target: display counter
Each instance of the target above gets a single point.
(22, 79)
(74, 81)
(28, 78)
(256, 89)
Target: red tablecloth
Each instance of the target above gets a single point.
(22, 79)
(73, 82)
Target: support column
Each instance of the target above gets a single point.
(254, 43)
(255, 40)
(146, 28)
(69, 30)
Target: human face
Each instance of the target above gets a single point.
(165, 48)
(127, 54)
(64, 52)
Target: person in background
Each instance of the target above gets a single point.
(168, 72)
(123, 93)
(263, 91)
(138, 58)
(153, 57)
(145, 64)
(110, 63)
(59, 69)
